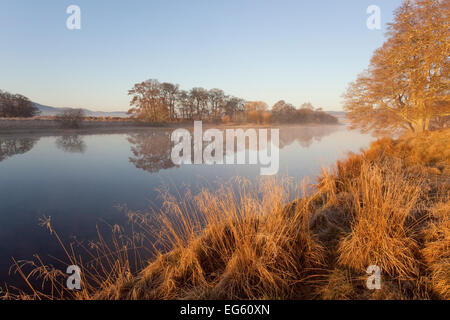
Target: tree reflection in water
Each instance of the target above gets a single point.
(151, 150)
(71, 144)
(11, 146)
(306, 135)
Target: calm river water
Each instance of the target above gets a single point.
(79, 180)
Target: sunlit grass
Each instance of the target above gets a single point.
(280, 239)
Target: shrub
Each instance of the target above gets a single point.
(70, 118)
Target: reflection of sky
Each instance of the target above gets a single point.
(80, 189)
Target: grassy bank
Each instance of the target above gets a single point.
(102, 125)
(387, 206)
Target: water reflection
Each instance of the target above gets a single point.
(81, 191)
(71, 144)
(305, 136)
(152, 149)
(11, 146)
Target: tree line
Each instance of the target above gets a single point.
(152, 101)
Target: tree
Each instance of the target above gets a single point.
(200, 99)
(255, 111)
(283, 112)
(16, 105)
(407, 83)
(170, 94)
(148, 102)
(233, 105)
(186, 103)
(216, 100)
(277, 107)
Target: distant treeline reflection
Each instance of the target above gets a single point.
(11, 146)
(152, 149)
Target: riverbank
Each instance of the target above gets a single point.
(92, 125)
(49, 124)
(386, 207)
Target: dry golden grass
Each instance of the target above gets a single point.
(436, 252)
(388, 206)
(251, 248)
(428, 152)
(382, 231)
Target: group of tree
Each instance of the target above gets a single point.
(407, 84)
(16, 106)
(152, 101)
(283, 112)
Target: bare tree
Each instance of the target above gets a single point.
(217, 100)
(200, 98)
(186, 103)
(170, 94)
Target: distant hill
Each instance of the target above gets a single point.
(52, 111)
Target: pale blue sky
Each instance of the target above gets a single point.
(296, 50)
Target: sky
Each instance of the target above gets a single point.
(295, 50)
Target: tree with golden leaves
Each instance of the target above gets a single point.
(407, 84)
(148, 103)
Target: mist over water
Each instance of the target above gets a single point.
(79, 180)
